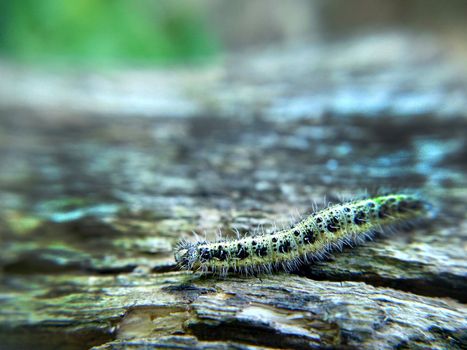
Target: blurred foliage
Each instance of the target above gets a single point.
(105, 32)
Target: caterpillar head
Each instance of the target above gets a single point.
(185, 255)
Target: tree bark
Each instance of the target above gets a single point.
(102, 174)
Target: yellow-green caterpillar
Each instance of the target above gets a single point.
(310, 239)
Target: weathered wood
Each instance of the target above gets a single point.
(98, 180)
(275, 311)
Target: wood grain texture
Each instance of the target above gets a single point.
(101, 175)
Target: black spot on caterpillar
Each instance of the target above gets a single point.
(310, 239)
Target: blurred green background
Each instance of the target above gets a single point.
(104, 31)
(161, 32)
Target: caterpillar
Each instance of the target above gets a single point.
(310, 239)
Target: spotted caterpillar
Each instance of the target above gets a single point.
(310, 239)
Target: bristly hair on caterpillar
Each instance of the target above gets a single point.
(310, 239)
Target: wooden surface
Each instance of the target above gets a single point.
(101, 174)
